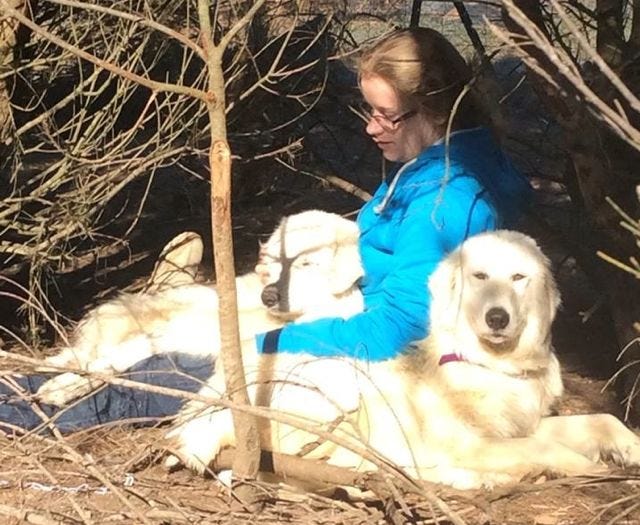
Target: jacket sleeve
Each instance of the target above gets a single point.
(433, 225)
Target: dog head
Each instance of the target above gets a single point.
(310, 261)
(496, 289)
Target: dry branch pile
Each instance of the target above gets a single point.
(108, 475)
(97, 143)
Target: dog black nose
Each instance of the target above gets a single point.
(497, 318)
(270, 296)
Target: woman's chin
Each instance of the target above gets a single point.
(389, 153)
(392, 154)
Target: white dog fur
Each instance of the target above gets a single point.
(319, 251)
(469, 406)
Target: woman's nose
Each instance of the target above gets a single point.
(373, 127)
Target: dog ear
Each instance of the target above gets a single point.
(549, 294)
(444, 279)
(178, 262)
(347, 268)
(444, 286)
(551, 291)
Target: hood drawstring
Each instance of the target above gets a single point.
(387, 197)
(379, 208)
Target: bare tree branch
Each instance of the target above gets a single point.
(143, 81)
(565, 66)
(240, 24)
(138, 19)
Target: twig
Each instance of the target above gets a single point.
(333, 179)
(143, 81)
(134, 17)
(568, 70)
(246, 18)
(615, 262)
(28, 516)
(597, 59)
(611, 505)
(343, 440)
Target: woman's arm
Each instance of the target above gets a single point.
(434, 224)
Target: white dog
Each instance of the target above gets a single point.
(468, 407)
(308, 268)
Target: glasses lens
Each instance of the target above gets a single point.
(365, 112)
(385, 123)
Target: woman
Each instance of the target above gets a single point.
(453, 182)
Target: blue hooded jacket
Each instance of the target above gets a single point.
(434, 202)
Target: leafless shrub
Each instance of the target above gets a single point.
(88, 143)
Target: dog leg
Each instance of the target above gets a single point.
(461, 478)
(596, 436)
(68, 386)
(500, 460)
(64, 388)
(69, 357)
(202, 430)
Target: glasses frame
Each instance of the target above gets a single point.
(386, 123)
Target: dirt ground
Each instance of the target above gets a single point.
(112, 475)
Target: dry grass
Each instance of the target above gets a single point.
(138, 490)
(112, 474)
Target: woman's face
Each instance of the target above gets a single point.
(400, 132)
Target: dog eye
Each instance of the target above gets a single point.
(517, 277)
(304, 263)
(481, 276)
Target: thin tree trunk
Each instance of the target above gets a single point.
(247, 459)
(416, 8)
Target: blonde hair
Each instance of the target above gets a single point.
(428, 74)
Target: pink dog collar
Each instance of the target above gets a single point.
(450, 358)
(523, 374)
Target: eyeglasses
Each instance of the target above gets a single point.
(386, 123)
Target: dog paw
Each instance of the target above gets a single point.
(580, 466)
(627, 452)
(467, 479)
(616, 442)
(197, 442)
(63, 388)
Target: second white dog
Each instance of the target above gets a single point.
(309, 268)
